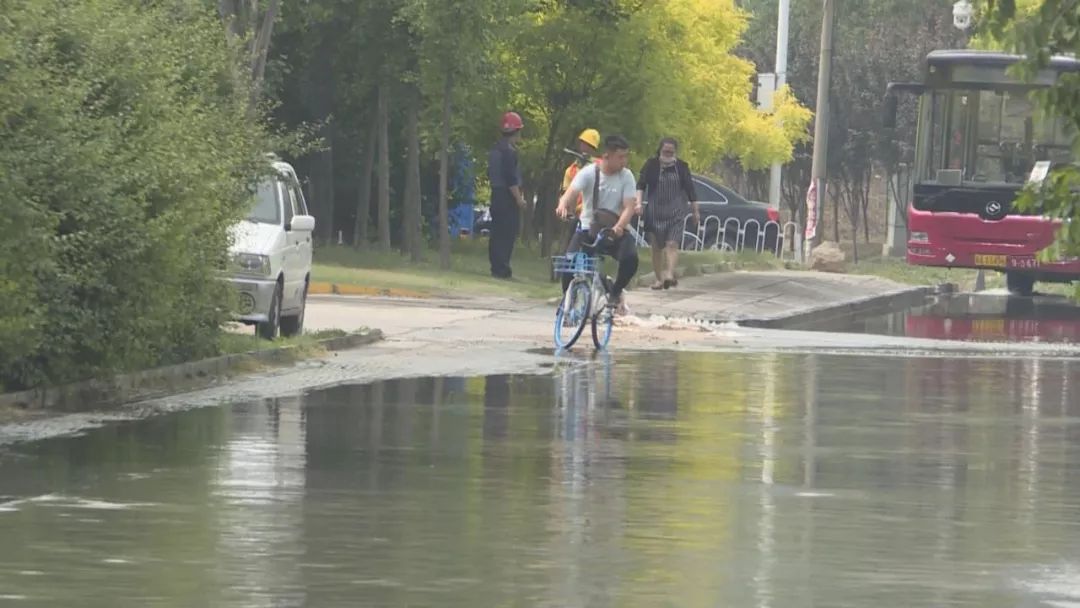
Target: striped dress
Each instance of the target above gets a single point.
(667, 208)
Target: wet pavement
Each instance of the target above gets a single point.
(976, 318)
(639, 479)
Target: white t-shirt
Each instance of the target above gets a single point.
(614, 189)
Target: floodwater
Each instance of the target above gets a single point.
(977, 318)
(663, 479)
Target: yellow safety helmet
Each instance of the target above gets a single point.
(591, 137)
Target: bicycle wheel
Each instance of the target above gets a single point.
(603, 324)
(573, 314)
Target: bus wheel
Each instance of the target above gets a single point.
(1020, 284)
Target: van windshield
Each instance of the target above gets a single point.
(267, 207)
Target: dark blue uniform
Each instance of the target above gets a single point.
(504, 173)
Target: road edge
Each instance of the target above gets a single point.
(879, 304)
(169, 380)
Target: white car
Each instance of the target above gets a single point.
(271, 256)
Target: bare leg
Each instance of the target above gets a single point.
(671, 252)
(659, 263)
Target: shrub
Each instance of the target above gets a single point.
(128, 150)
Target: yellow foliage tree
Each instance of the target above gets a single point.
(699, 91)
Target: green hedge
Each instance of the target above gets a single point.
(126, 150)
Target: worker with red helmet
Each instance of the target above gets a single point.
(507, 200)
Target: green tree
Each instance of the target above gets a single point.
(452, 41)
(643, 69)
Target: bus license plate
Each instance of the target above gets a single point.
(986, 328)
(1023, 261)
(992, 261)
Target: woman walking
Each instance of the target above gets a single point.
(665, 182)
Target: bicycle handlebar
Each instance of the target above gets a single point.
(599, 237)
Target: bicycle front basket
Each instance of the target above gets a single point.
(574, 263)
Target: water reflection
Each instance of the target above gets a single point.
(672, 479)
(977, 318)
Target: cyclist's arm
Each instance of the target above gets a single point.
(628, 213)
(567, 200)
(630, 202)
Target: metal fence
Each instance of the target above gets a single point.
(731, 235)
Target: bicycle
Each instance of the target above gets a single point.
(586, 297)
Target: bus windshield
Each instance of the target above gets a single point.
(991, 137)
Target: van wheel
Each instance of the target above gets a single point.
(1020, 284)
(294, 325)
(269, 329)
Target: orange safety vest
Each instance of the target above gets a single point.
(568, 178)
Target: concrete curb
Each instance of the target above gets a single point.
(646, 280)
(170, 380)
(894, 301)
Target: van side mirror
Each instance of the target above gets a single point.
(888, 118)
(302, 223)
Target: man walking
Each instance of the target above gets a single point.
(507, 200)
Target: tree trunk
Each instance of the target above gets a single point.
(444, 175)
(384, 171)
(855, 239)
(322, 188)
(865, 201)
(550, 233)
(412, 240)
(361, 226)
(318, 100)
(230, 16)
(261, 47)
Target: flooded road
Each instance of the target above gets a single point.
(660, 479)
(976, 318)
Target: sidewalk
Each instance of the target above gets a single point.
(762, 299)
(766, 298)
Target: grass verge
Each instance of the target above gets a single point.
(469, 272)
(307, 344)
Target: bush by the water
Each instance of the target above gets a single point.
(127, 149)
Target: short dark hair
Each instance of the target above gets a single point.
(614, 143)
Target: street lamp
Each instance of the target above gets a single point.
(962, 12)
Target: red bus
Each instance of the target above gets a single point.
(979, 138)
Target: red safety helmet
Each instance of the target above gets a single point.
(511, 121)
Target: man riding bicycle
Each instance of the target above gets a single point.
(609, 192)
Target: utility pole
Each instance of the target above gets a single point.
(776, 173)
(821, 129)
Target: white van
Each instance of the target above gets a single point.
(271, 256)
